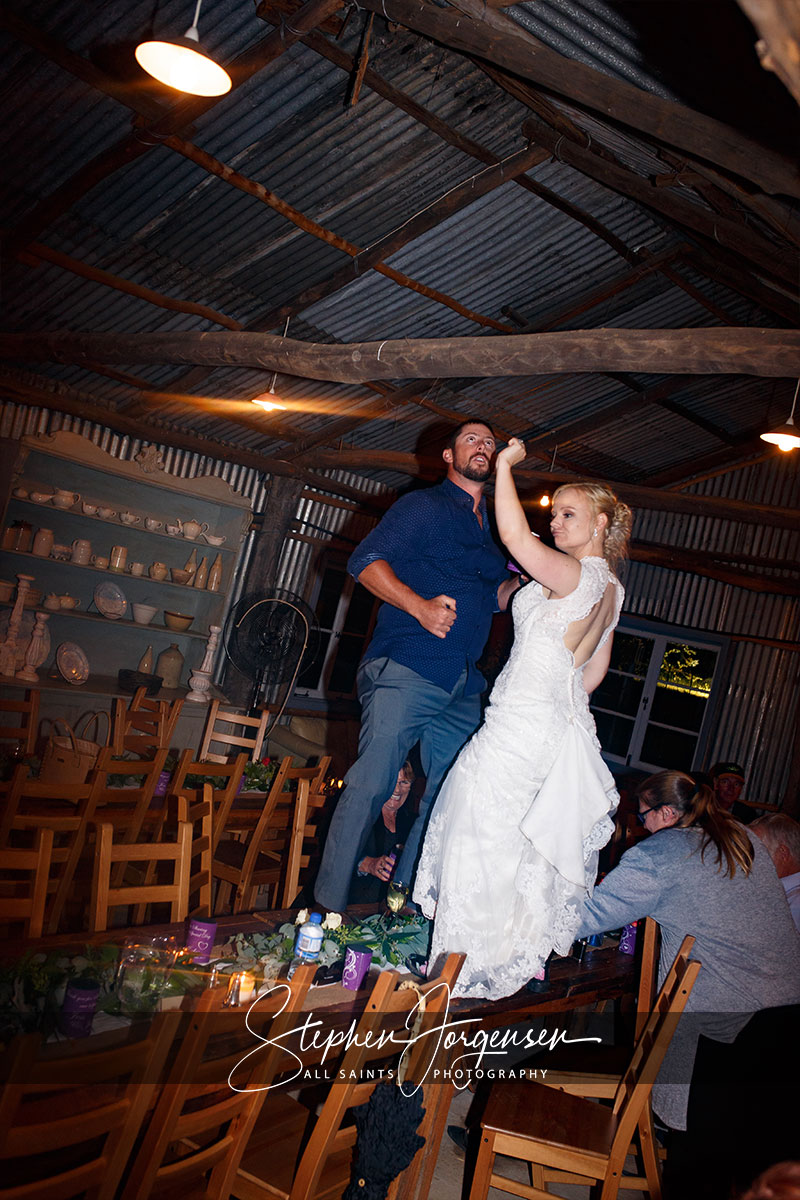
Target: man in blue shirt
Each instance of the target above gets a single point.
(433, 562)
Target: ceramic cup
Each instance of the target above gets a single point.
(173, 530)
(100, 561)
(137, 568)
(158, 571)
(106, 513)
(129, 518)
(152, 524)
(89, 509)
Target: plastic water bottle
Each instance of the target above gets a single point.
(307, 944)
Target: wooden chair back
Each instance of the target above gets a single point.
(106, 895)
(144, 725)
(558, 1132)
(78, 1114)
(126, 807)
(200, 815)
(304, 847)
(226, 775)
(262, 860)
(19, 720)
(205, 1143)
(226, 727)
(24, 899)
(278, 1161)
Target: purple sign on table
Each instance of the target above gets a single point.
(356, 964)
(78, 1009)
(200, 939)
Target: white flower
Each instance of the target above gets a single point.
(332, 921)
(301, 917)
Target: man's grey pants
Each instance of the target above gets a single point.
(398, 708)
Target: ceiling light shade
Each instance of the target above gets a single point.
(181, 64)
(785, 437)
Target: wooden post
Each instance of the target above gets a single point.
(279, 512)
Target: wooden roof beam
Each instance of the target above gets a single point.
(636, 495)
(471, 28)
(744, 351)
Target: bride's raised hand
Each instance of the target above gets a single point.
(513, 453)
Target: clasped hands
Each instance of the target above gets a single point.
(381, 867)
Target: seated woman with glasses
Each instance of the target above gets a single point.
(700, 873)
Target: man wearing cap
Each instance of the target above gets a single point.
(728, 781)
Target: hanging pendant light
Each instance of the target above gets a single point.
(785, 437)
(181, 64)
(266, 400)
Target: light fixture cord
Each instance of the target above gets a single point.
(197, 14)
(794, 404)
(288, 319)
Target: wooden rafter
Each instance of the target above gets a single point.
(477, 30)
(247, 64)
(766, 352)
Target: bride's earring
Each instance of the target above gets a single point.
(594, 533)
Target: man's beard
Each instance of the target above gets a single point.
(475, 473)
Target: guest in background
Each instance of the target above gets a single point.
(701, 874)
(387, 837)
(727, 779)
(781, 836)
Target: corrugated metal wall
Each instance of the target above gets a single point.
(759, 711)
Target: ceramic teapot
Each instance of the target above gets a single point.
(65, 499)
(192, 529)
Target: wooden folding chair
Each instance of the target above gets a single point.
(262, 860)
(106, 895)
(282, 1159)
(19, 720)
(304, 847)
(24, 899)
(555, 1130)
(226, 727)
(227, 776)
(32, 805)
(69, 1122)
(567, 1072)
(193, 1150)
(144, 725)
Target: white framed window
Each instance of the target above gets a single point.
(345, 613)
(654, 709)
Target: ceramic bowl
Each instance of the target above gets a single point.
(213, 539)
(143, 613)
(178, 622)
(180, 576)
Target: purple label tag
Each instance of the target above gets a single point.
(78, 1009)
(356, 964)
(200, 939)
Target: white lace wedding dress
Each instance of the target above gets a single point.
(511, 848)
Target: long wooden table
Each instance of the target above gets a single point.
(604, 974)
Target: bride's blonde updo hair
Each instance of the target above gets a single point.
(620, 518)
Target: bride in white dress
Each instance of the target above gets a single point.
(511, 848)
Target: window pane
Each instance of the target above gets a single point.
(620, 693)
(668, 749)
(677, 708)
(330, 590)
(360, 611)
(614, 733)
(309, 676)
(345, 665)
(631, 654)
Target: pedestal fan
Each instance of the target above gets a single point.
(269, 639)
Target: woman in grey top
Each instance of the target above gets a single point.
(703, 875)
